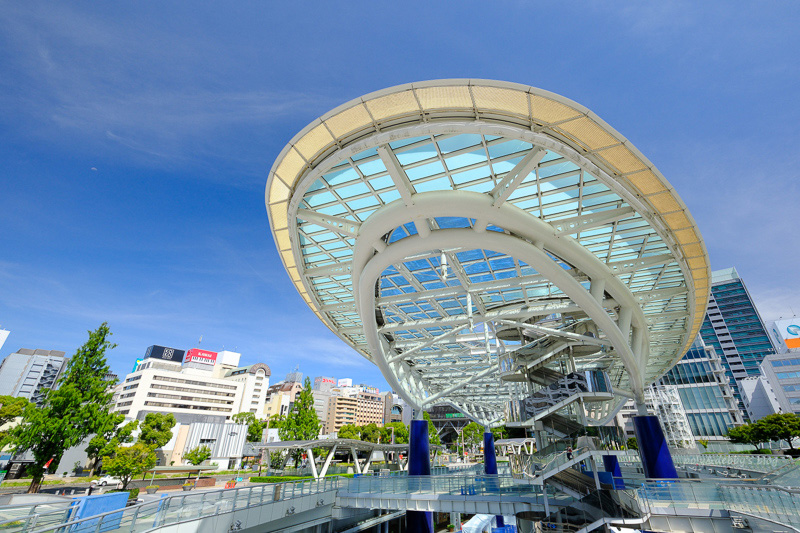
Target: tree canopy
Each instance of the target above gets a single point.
(400, 433)
(10, 409)
(775, 427)
(349, 431)
(472, 434)
(157, 429)
(302, 422)
(255, 426)
(109, 438)
(128, 462)
(77, 407)
(780, 426)
(197, 455)
(433, 435)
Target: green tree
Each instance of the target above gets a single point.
(500, 432)
(779, 426)
(276, 421)
(433, 435)
(400, 433)
(746, 434)
(302, 422)
(128, 462)
(76, 408)
(632, 444)
(370, 433)
(472, 434)
(10, 409)
(255, 427)
(109, 438)
(349, 431)
(197, 455)
(157, 429)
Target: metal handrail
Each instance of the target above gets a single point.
(164, 511)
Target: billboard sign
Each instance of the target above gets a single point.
(788, 332)
(164, 353)
(321, 383)
(196, 355)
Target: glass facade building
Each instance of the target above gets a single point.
(783, 372)
(733, 327)
(705, 392)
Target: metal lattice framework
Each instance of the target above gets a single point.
(420, 220)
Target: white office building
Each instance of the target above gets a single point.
(200, 388)
(759, 397)
(26, 373)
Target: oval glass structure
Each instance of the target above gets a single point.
(455, 232)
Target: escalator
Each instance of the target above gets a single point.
(590, 505)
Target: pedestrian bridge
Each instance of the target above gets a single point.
(343, 504)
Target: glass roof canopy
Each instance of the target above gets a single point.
(461, 180)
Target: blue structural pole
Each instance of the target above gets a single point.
(419, 464)
(611, 464)
(653, 449)
(490, 464)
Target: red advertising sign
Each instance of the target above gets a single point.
(196, 355)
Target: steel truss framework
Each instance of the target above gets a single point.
(419, 221)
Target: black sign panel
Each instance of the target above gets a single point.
(162, 352)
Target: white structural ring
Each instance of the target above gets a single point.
(501, 243)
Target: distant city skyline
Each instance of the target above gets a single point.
(137, 138)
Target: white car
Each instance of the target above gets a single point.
(110, 480)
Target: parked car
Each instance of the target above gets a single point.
(110, 480)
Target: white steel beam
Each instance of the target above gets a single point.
(516, 175)
(343, 226)
(592, 220)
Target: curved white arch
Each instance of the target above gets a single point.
(513, 246)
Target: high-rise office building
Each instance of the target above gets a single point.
(733, 327)
(705, 392)
(27, 373)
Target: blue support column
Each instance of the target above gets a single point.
(653, 449)
(490, 464)
(419, 464)
(611, 464)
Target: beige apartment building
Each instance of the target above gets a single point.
(369, 409)
(341, 411)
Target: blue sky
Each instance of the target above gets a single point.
(135, 141)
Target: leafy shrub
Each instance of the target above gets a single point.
(132, 493)
(284, 479)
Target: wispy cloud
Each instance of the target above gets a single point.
(80, 75)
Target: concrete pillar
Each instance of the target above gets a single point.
(653, 449)
(419, 464)
(490, 464)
